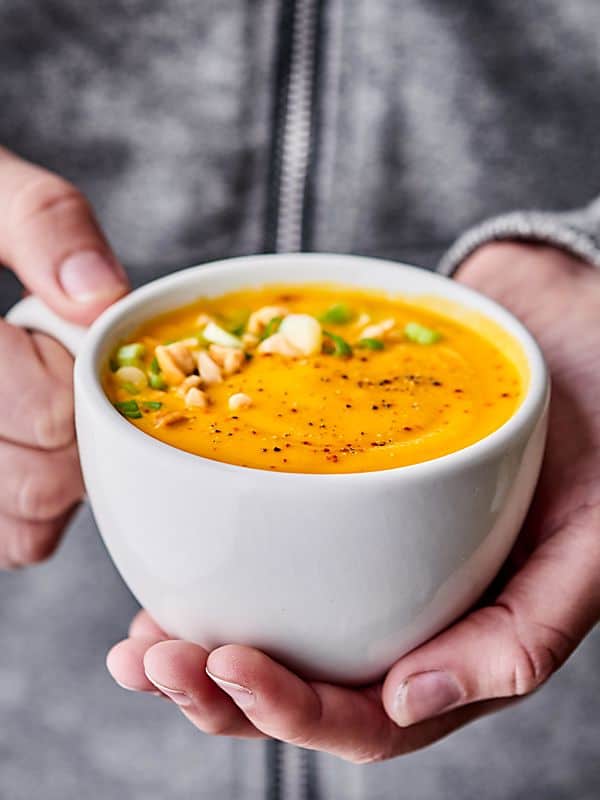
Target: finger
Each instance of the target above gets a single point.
(24, 542)
(38, 485)
(178, 669)
(36, 395)
(510, 648)
(50, 238)
(125, 662)
(143, 626)
(349, 723)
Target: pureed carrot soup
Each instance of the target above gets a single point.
(319, 379)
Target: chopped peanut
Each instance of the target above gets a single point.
(196, 398)
(259, 320)
(203, 319)
(191, 382)
(191, 342)
(378, 330)
(363, 319)
(207, 369)
(250, 340)
(132, 375)
(303, 332)
(230, 359)
(170, 418)
(168, 366)
(238, 401)
(278, 344)
(182, 356)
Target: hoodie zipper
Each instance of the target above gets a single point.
(290, 767)
(293, 122)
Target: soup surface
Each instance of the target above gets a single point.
(320, 379)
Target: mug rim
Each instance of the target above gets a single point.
(87, 377)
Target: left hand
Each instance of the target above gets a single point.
(546, 600)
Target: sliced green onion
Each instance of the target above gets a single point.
(237, 323)
(415, 332)
(157, 381)
(216, 335)
(338, 314)
(113, 364)
(130, 387)
(370, 344)
(154, 367)
(341, 348)
(152, 405)
(271, 327)
(130, 355)
(129, 409)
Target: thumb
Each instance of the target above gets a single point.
(51, 240)
(510, 648)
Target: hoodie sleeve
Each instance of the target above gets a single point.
(577, 232)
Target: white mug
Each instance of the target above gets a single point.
(335, 575)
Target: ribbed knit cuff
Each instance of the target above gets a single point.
(559, 229)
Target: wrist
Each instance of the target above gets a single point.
(515, 273)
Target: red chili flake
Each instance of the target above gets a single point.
(277, 449)
(375, 408)
(348, 405)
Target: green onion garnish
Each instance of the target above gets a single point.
(341, 348)
(157, 381)
(371, 344)
(129, 387)
(130, 355)
(271, 327)
(152, 405)
(338, 314)
(415, 332)
(154, 368)
(130, 409)
(236, 324)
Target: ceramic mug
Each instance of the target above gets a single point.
(335, 575)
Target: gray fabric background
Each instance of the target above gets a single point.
(435, 114)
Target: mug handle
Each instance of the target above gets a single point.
(35, 315)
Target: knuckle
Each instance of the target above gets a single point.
(534, 652)
(539, 653)
(53, 425)
(41, 496)
(45, 194)
(33, 546)
(30, 543)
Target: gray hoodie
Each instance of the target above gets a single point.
(205, 130)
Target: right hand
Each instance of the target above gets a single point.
(50, 239)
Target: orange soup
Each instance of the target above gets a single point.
(318, 379)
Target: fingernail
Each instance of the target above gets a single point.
(88, 276)
(241, 695)
(180, 698)
(134, 689)
(425, 695)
